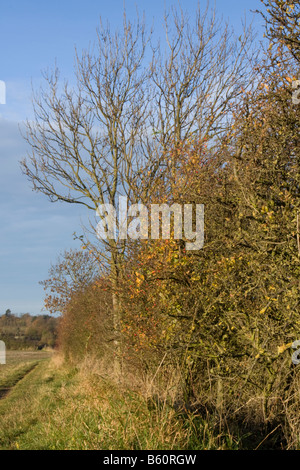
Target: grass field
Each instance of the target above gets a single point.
(18, 364)
(17, 357)
(48, 405)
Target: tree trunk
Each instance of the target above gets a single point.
(117, 334)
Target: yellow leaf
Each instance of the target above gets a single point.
(283, 347)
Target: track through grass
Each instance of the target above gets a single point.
(53, 406)
(15, 374)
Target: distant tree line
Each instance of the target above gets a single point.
(28, 331)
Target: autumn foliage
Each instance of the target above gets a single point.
(225, 315)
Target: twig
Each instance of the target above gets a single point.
(267, 436)
(158, 368)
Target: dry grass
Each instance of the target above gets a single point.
(56, 406)
(59, 407)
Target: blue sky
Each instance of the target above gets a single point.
(33, 34)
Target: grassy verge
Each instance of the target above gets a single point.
(13, 375)
(56, 407)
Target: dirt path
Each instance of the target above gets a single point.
(5, 390)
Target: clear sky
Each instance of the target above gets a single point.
(33, 34)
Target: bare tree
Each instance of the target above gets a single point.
(282, 24)
(108, 135)
(85, 141)
(198, 77)
(73, 271)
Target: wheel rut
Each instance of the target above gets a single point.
(4, 391)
